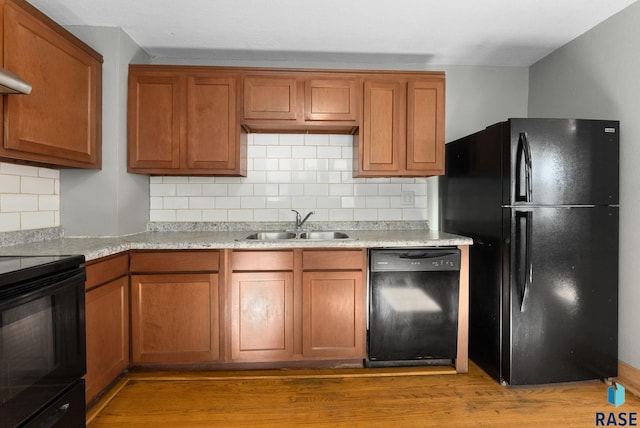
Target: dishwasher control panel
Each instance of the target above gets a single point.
(415, 259)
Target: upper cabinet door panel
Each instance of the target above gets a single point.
(381, 128)
(270, 98)
(60, 121)
(425, 126)
(211, 123)
(331, 99)
(154, 122)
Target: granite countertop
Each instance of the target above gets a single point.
(93, 247)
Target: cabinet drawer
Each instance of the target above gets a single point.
(175, 261)
(334, 259)
(261, 260)
(106, 269)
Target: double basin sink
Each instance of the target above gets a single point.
(276, 236)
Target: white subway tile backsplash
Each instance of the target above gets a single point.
(36, 219)
(18, 203)
(188, 215)
(9, 183)
(214, 215)
(161, 189)
(289, 171)
(21, 170)
(52, 174)
(241, 215)
(9, 222)
(175, 202)
(253, 202)
(201, 202)
(162, 215)
(48, 203)
(29, 197)
(190, 189)
(227, 202)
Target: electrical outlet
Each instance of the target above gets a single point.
(408, 198)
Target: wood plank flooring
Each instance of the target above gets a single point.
(348, 398)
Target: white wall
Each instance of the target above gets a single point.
(111, 201)
(596, 76)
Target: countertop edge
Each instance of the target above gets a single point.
(95, 248)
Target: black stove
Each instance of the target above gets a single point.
(42, 341)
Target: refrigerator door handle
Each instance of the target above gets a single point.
(523, 190)
(524, 266)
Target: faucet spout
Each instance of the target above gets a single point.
(299, 220)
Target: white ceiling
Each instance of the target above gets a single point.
(444, 32)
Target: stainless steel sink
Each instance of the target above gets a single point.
(271, 236)
(276, 236)
(324, 235)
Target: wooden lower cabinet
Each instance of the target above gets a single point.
(334, 304)
(107, 322)
(333, 324)
(297, 305)
(261, 316)
(174, 318)
(175, 307)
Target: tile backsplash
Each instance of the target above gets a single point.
(290, 171)
(29, 197)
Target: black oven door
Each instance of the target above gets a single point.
(42, 344)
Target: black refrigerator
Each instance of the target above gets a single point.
(539, 197)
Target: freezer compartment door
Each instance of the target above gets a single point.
(560, 310)
(562, 162)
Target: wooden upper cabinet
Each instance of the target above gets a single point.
(425, 127)
(331, 99)
(213, 132)
(272, 98)
(402, 132)
(382, 132)
(154, 127)
(59, 123)
(301, 101)
(184, 121)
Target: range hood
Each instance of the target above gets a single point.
(12, 84)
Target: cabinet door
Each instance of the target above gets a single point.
(382, 133)
(425, 127)
(270, 98)
(59, 123)
(333, 314)
(212, 141)
(261, 316)
(174, 318)
(107, 318)
(154, 118)
(331, 100)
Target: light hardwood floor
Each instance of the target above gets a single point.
(348, 398)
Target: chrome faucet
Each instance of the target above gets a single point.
(299, 220)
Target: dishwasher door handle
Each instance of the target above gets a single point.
(419, 256)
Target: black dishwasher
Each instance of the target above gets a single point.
(413, 306)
